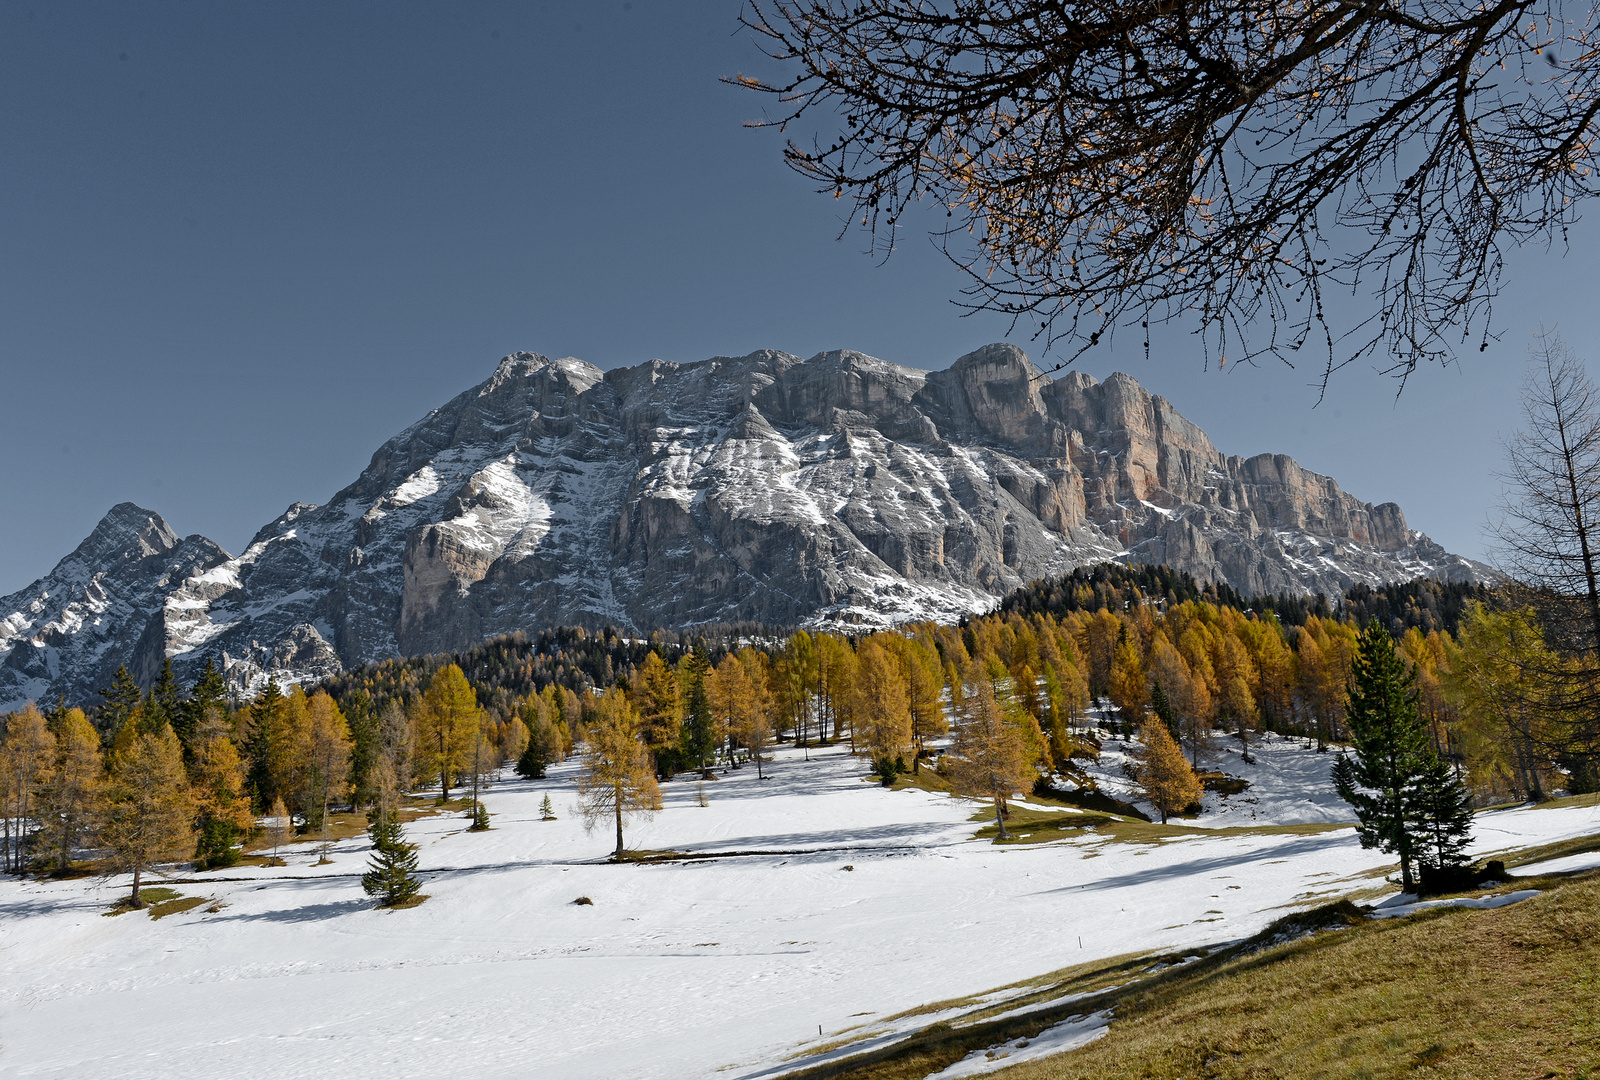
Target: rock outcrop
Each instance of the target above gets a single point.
(839, 489)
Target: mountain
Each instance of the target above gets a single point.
(839, 489)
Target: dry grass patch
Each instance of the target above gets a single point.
(177, 906)
(1453, 992)
(408, 902)
(1478, 995)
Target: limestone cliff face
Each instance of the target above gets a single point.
(839, 489)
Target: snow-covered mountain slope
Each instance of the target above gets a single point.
(839, 489)
(68, 632)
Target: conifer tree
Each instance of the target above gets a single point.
(69, 800)
(163, 705)
(392, 874)
(754, 722)
(990, 758)
(799, 682)
(291, 755)
(883, 705)
(924, 694)
(121, 699)
(365, 745)
(699, 729)
(219, 788)
(1390, 748)
(1443, 817)
(543, 742)
(395, 747)
(27, 759)
(1126, 688)
(731, 695)
(1162, 707)
(261, 745)
(514, 738)
(656, 697)
(481, 758)
(446, 722)
(1166, 779)
(327, 770)
(149, 809)
(186, 715)
(547, 812)
(618, 779)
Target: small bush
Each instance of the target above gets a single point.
(889, 769)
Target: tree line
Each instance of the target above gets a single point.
(996, 705)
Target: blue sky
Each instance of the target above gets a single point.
(241, 245)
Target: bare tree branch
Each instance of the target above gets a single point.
(1105, 164)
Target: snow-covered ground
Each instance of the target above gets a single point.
(676, 970)
(1289, 783)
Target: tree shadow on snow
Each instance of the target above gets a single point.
(1287, 849)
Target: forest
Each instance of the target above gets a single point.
(1002, 703)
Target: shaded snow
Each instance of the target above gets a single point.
(1067, 1035)
(1392, 910)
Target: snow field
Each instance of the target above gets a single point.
(676, 970)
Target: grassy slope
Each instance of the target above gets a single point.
(1510, 992)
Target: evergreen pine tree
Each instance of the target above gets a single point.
(1391, 750)
(1442, 810)
(546, 811)
(121, 699)
(163, 704)
(543, 745)
(365, 745)
(699, 728)
(264, 718)
(480, 818)
(392, 877)
(209, 692)
(1162, 707)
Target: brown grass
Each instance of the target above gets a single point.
(1461, 993)
(175, 907)
(408, 902)
(1456, 993)
(1046, 825)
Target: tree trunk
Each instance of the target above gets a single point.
(1000, 819)
(134, 900)
(619, 823)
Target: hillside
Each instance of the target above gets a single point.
(839, 490)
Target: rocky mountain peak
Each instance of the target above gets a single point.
(838, 489)
(127, 532)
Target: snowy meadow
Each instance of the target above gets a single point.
(798, 913)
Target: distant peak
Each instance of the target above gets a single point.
(519, 363)
(127, 530)
(1000, 353)
(522, 365)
